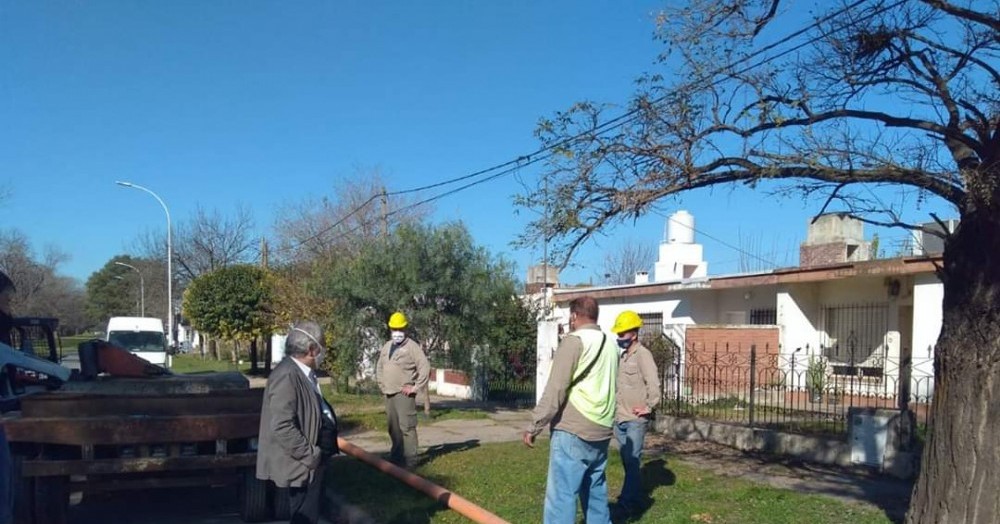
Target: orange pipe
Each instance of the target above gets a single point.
(451, 500)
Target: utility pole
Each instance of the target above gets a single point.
(385, 213)
(267, 333)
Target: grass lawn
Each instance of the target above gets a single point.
(367, 412)
(194, 364)
(509, 480)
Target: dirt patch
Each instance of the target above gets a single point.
(856, 485)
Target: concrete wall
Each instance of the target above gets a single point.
(893, 451)
(928, 295)
(450, 383)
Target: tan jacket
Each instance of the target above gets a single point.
(553, 409)
(408, 365)
(287, 450)
(638, 383)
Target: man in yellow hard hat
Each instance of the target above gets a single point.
(638, 392)
(402, 371)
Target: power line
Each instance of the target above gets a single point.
(547, 152)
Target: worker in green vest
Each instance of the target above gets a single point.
(579, 405)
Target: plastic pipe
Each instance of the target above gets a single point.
(450, 499)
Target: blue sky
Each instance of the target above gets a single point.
(266, 103)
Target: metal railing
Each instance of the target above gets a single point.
(795, 391)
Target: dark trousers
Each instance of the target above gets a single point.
(305, 502)
(401, 412)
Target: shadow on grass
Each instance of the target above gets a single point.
(654, 474)
(889, 494)
(435, 452)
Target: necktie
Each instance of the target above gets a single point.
(319, 396)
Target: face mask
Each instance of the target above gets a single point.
(319, 359)
(398, 337)
(624, 343)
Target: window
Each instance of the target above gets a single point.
(138, 340)
(652, 325)
(763, 317)
(855, 334)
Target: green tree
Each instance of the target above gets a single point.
(112, 292)
(455, 294)
(232, 303)
(900, 94)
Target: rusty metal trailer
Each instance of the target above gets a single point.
(120, 434)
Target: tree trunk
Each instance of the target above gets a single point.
(268, 355)
(213, 348)
(253, 356)
(958, 479)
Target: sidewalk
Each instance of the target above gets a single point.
(502, 425)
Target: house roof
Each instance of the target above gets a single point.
(900, 266)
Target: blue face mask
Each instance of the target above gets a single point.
(624, 343)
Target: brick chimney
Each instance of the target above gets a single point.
(834, 238)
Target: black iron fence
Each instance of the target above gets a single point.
(512, 382)
(802, 391)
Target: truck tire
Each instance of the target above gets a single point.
(51, 500)
(282, 506)
(24, 493)
(253, 502)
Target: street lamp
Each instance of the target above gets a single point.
(170, 256)
(142, 287)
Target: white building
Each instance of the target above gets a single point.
(875, 322)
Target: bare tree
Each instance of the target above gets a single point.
(360, 209)
(206, 241)
(630, 257)
(41, 291)
(875, 93)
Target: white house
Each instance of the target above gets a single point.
(875, 322)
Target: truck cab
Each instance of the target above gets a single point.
(142, 336)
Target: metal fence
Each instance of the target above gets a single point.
(803, 391)
(512, 383)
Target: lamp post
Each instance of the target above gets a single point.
(170, 256)
(142, 287)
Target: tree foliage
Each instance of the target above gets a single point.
(897, 94)
(116, 290)
(457, 297)
(232, 303)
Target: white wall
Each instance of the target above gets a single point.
(798, 307)
(928, 297)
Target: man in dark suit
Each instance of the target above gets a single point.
(298, 429)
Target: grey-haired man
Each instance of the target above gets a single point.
(298, 428)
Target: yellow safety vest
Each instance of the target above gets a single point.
(594, 394)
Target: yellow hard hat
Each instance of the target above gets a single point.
(398, 321)
(626, 321)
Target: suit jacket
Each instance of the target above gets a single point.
(290, 419)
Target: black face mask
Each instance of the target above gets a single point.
(624, 343)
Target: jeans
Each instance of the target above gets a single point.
(576, 470)
(630, 436)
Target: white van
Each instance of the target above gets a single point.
(140, 335)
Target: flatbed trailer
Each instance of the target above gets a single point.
(120, 434)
